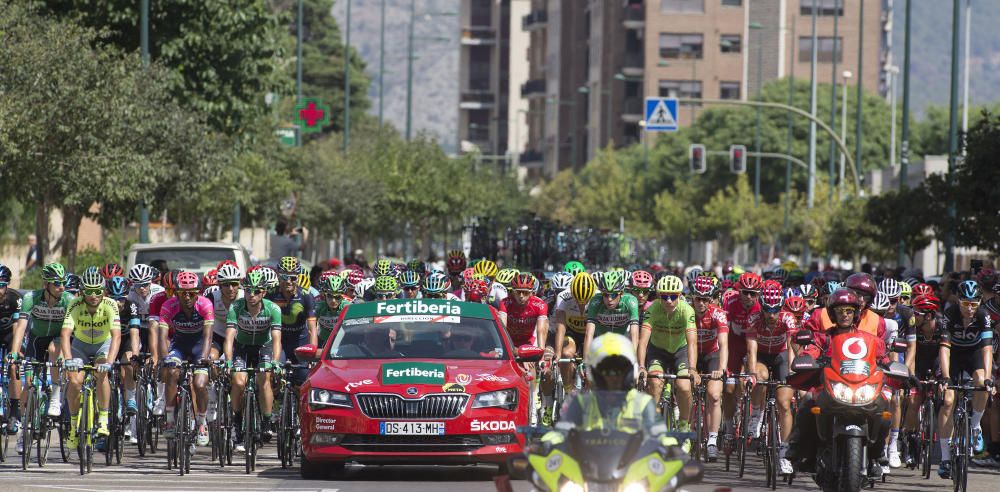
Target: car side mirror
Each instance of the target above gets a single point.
(529, 353)
(804, 363)
(899, 345)
(804, 337)
(306, 352)
(898, 370)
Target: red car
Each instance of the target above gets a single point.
(414, 381)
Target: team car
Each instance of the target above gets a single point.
(420, 381)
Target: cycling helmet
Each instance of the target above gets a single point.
(386, 284)
(409, 278)
(808, 292)
(641, 279)
(831, 287)
(54, 272)
(792, 292)
(140, 273)
(772, 284)
(112, 270)
(926, 303)
(922, 289)
(288, 265)
(608, 353)
(435, 283)
(487, 267)
(880, 303)
(574, 267)
(862, 283)
(779, 274)
(524, 281)
(228, 273)
(726, 285)
(117, 287)
(692, 274)
(361, 288)
(210, 278)
(598, 278)
(475, 290)
(255, 280)
(987, 278)
(913, 281)
(270, 278)
(560, 281)
(187, 280)
(611, 282)
(669, 284)
(383, 267)
(905, 290)
(969, 290)
(729, 294)
(416, 266)
(92, 279)
(304, 282)
(749, 281)
(890, 287)
(843, 297)
(795, 304)
(5, 273)
(456, 262)
(333, 284)
(795, 277)
(73, 283)
(703, 287)
(226, 262)
(771, 299)
(354, 278)
(583, 287)
(170, 280)
(505, 276)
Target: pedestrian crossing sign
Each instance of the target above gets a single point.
(661, 114)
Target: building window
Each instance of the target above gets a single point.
(680, 88)
(729, 90)
(732, 3)
(681, 45)
(682, 6)
(823, 7)
(825, 49)
(731, 43)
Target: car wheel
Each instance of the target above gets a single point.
(310, 470)
(512, 473)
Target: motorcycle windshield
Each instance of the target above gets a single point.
(604, 454)
(853, 356)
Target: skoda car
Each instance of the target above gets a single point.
(414, 381)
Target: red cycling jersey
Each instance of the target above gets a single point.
(743, 322)
(522, 319)
(773, 339)
(710, 325)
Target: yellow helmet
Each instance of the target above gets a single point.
(669, 285)
(487, 268)
(506, 276)
(582, 287)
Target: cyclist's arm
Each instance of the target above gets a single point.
(723, 339)
(134, 339)
(17, 340)
(313, 331)
(643, 345)
(633, 319)
(503, 316)
(275, 333)
(66, 336)
(116, 333)
(944, 359)
(206, 336)
(751, 355)
(231, 329)
(541, 330)
(691, 334)
(588, 337)
(560, 332)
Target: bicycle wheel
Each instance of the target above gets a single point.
(927, 436)
(28, 426)
(772, 447)
(249, 440)
(227, 429)
(83, 431)
(109, 452)
(44, 437)
(62, 424)
(743, 436)
(6, 409)
(696, 428)
(182, 434)
(285, 430)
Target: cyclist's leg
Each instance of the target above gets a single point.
(264, 385)
(13, 382)
(569, 351)
(783, 396)
(655, 365)
(199, 383)
(757, 396)
(73, 382)
(176, 353)
(682, 387)
(713, 395)
(733, 388)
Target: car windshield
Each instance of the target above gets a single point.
(190, 259)
(425, 337)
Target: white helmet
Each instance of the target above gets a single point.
(229, 273)
(141, 273)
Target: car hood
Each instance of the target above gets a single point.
(425, 375)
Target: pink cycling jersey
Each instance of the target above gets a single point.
(182, 324)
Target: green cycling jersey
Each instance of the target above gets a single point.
(616, 320)
(327, 318)
(253, 329)
(46, 321)
(669, 330)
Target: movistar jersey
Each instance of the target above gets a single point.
(92, 328)
(294, 311)
(46, 321)
(253, 329)
(617, 320)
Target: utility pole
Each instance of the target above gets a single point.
(298, 68)
(904, 154)
(837, 49)
(144, 43)
(965, 77)
(381, 66)
(347, 80)
(791, 133)
(857, 117)
(949, 237)
(409, 72)
(811, 188)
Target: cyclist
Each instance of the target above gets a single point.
(475, 290)
(334, 289)
(558, 284)
(384, 288)
(612, 311)
(526, 318)
(640, 285)
(772, 341)
(743, 314)
(901, 318)
(497, 293)
(669, 344)
(298, 316)
(505, 276)
(10, 311)
(46, 308)
(455, 265)
(253, 339)
(162, 336)
(905, 293)
(437, 286)
(227, 277)
(410, 283)
(91, 330)
(927, 334)
(713, 353)
(112, 270)
(574, 267)
(571, 322)
(966, 352)
(128, 314)
(810, 295)
(190, 316)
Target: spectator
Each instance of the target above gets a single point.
(31, 262)
(284, 244)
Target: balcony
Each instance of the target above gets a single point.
(478, 37)
(531, 159)
(634, 17)
(632, 110)
(477, 100)
(533, 88)
(535, 20)
(632, 64)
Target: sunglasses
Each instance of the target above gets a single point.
(749, 293)
(411, 288)
(145, 285)
(188, 293)
(333, 295)
(523, 292)
(58, 283)
(904, 298)
(3, 284)
(230, 284)
(969, 304)
(770, 309)
(93, 292)
(845, 310)
(702, 299)
(923, 314)
(612, 295)
(436, 295)
(640, 292)
(256, 292)
(288, 278)
(670, 297)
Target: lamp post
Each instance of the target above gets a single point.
(144, 42)
(838, 6)
(811, 187)
(904, 154)
(857, 117)
(381, 65)
(756, 133)
(949, 237)
(893, 70)
(347, 80)
(843, 128)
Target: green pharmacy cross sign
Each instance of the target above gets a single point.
(311, 115)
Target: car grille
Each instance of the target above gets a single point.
(389, 406)
(411, 444)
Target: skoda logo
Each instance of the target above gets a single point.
(411, 391)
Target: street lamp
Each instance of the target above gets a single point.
(893, 70)
(756, 133)
(843, 127)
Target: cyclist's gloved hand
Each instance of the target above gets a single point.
(73, 364)
(229, 363)
(12, 356)
(105, 367)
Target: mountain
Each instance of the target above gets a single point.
(435, 70)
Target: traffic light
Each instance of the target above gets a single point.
(696, 155)
(738, 158)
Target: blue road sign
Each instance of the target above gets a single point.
(661, 114)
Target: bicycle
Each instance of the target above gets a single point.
(699, 418)
(770, 435)
(252, 423)
(558, 386)
(961, 439)
(117, 420)
(737, 434)
(668, 399)
(288, 422)
(87, 419)
(180, 446)
(5, 406)
(221, 428)
(36, 424)
(146, 423)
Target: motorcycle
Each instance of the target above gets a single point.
(607, 461)
(851, 405)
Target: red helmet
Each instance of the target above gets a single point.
(475, 290)
(772, 284)
(862, 283)
(795, 304)
(749, 281)
(456, 264)
(726, 285)
(729, 294)
(209, 279)
(926, 303)
(325, 275)
(170, 280)
(187, 280)
(355, 277)
(524, 281)
(112, 270)
(771, 298)
(641, 279)
(922, 289)
(703, 286)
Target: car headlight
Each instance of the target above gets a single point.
(506, 399)
(571, 486)
(843, 392)
(321, 398)
(865, 394)
(635, 487)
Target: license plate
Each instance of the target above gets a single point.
(411, 428)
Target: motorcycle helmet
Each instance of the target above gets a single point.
(843, 297)
(609, 353)
(862, 283)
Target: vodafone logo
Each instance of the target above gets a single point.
(854, 348)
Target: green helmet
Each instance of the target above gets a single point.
(334, 284)
(574, 267)
(612, 282)
(506, 276)
(54, 272)
(385, 284)
(288, 265)
(416, 266)
(255, 281)
(382, 267)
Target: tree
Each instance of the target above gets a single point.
(903, 215)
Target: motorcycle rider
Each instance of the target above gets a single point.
(843, 307)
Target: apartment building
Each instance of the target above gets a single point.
(484, 78)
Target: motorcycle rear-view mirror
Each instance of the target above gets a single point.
(804, 363)
(899, 345)
(898, 370)
(804, 337)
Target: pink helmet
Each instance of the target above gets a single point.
(642, 279)
(187, 280)
(355, 277)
